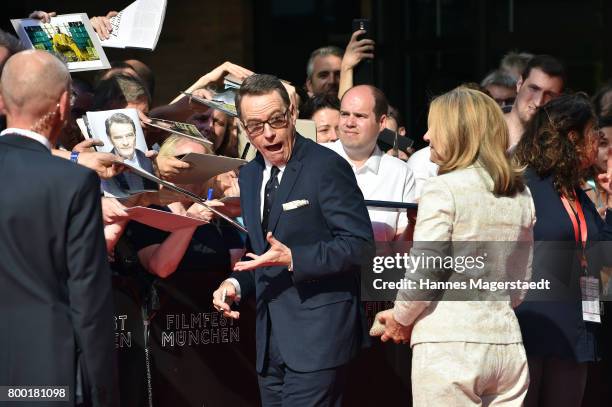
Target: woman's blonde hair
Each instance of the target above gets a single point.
(168, 148)
(468, 127)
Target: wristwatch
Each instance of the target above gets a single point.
(74, 156)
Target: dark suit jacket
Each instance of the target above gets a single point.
(55, 283)
(314, 311)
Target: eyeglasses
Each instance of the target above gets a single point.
(277, 121)
(505, 102)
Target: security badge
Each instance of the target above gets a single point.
(589, 287)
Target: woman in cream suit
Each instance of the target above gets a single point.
(467, 345)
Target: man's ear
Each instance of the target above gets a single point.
(243, 133)
(309, 86)
(382, 122)
(2, 105)
(293, 113)
(519, 83)
(64, 106)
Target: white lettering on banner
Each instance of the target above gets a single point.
(123, 338)
(201, 328)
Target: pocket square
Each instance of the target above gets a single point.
(288, 206)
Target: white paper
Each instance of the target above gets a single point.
(138, 25)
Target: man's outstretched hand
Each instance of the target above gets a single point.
(277, 255)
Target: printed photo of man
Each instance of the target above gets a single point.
(121, 132)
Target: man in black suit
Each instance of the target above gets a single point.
(308, 232)
(56, 308)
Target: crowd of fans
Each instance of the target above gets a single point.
(560, 143)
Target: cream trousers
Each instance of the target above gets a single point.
(469, 374)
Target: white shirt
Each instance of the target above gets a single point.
(266, 177)
(29, 134)
(422, 167)
(383, 178)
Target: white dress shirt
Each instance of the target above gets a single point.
(29, 134)
(266, 177)
(422, 167)
(383, 178)
(262, 190)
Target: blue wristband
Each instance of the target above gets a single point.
(74, 156)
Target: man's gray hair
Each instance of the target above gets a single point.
(515, 60)
(10, 42)
(261, 84)
(322, 52)
(499, 77)
(118, 118)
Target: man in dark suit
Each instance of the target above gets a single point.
(308, 232)
(56, 308)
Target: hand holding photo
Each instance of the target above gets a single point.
(122, 135)
(182, 129)
(219, 102)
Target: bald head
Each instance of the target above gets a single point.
(380, 104)
(33, 83)
(362, 116)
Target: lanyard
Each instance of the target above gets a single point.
(579, 224)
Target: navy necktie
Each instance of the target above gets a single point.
(269, 194)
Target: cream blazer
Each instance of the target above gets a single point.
(460, 207)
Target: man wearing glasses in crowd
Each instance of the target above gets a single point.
(308, 232)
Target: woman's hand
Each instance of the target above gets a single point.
(605, 179)
(170, 167)
(43, 16)
(102, 25)
(393, 329)
(201, 212)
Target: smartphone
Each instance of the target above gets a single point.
(387, 139)
(363, 73)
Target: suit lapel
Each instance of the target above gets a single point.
(253, 213)
(290, 176)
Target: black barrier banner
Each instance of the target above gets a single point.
(196, 357)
